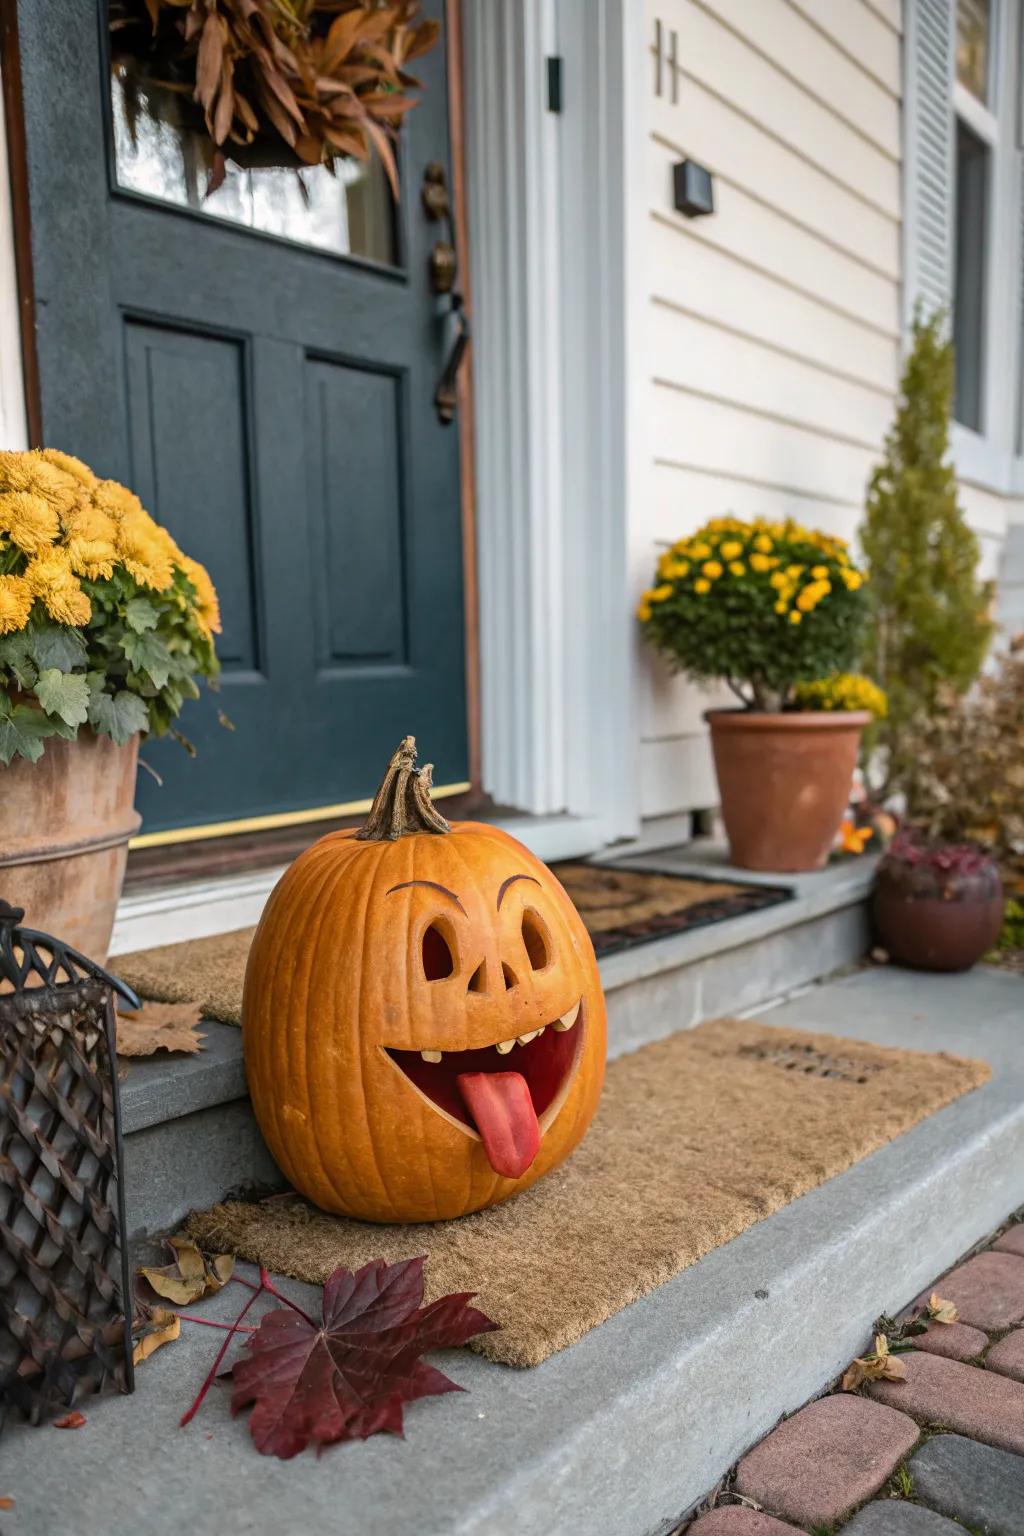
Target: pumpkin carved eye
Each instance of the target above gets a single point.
(535, 939)
(438, 960)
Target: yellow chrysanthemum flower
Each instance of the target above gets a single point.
(795, 616)
(15, 603)
(794, 571)
(737, 567)
(93, 558)
(208, 605)
(49, 576)
(87, 522)
(643, 611)
(730, 549)
(70, 466)
(781, 607)
(763, 544)
(142, 556)
(852, 580)
(778, 579)
(32, 472)
(700, 551)
(28, 520)
(701, 585)
(712, 568)
(820, 572)
(662, 592)
(677, 568)
(760, 563)
(117, 501)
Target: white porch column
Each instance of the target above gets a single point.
(549, 233)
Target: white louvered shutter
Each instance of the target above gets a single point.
(928, 156)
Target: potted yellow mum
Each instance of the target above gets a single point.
(768, 607)
(104, 627)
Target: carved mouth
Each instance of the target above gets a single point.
(507, 1094)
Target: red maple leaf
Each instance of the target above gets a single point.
(348, 1377)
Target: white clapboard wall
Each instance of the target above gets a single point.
(773, 330)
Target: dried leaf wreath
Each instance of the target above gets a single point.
(286, 82)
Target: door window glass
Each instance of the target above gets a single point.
(158, 151)
(973, 27)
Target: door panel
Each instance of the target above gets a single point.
(356, 454)
(272, 403)
(188, 388)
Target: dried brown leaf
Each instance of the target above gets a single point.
(159, 1027)
(940, 1311)
(192, 1275)
(879, 1365)
(160, 1326)
(209, 60)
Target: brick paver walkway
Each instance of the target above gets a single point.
(939, 1453)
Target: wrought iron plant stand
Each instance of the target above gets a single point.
(65, 1287)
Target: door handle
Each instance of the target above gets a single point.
(444, 276)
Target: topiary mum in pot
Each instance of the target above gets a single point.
(422, 1020)
(104, 627)
(937, 906)
(765, 607)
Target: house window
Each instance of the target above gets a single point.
(973, 28)
(972, 178)
(976, 145)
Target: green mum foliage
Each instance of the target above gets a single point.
(762, 606)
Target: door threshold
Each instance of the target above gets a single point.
(150, 915)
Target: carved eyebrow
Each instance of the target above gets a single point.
(511, 881)
(431, 885)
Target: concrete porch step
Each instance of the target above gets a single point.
(623, 1433)
(190, 1135)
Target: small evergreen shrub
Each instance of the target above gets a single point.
(760, 605)
(929, 615)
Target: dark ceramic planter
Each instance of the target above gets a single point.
(935, 919)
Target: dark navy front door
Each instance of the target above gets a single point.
(260, 367)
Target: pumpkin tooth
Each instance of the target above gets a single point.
(567, 1020)
(431, 1055)
(531, 1034)
(504, 1046)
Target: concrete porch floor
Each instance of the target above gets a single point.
(622, 1434)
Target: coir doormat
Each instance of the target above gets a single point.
(621, 907)
(625, 907)
(697, 1138)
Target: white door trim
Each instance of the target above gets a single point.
(13, 424)
(552, 249)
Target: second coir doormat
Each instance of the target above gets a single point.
(697, 1138)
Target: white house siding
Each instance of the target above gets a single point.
(13, 431)
(773, 338)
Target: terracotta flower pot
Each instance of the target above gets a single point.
(64, 828)
(784, 782)
(937, 919)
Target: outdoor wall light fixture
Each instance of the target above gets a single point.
(693, 189)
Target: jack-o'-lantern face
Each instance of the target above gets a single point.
(424, 1023)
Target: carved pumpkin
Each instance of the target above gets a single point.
(423, 1021)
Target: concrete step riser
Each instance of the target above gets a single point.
(193, 1160)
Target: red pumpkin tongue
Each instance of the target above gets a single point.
(503, 1113)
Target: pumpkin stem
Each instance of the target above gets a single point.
(403, 803)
